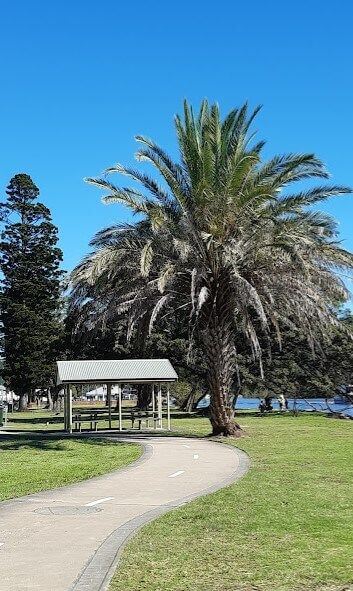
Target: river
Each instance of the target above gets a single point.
(309, 405)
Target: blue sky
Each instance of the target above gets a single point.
(80, 79)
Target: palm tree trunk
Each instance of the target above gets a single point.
(220, 371)
(220, 353)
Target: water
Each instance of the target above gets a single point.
(310, 405)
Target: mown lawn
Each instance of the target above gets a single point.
(29, 464)
(44, 420)
(38, 420)
(286, 526)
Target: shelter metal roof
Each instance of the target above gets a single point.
(116, 370)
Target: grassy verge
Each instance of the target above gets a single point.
(287, 526)
(29, 464)
(44, 420)
(38, 420)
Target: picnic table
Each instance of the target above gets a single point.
(93, 417)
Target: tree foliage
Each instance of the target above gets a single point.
(30, 290)
(296, 370)
(226, 236)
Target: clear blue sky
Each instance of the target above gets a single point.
(79, 79)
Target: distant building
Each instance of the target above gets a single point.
(100, 393)
(7, 396)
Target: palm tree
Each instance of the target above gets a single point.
(222, 235)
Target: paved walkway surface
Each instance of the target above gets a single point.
(69, 539)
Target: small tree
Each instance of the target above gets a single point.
(29, 259)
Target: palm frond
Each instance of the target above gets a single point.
(146, 258)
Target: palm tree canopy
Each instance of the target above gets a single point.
(220, 214)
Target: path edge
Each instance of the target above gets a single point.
(99, 570)
(147, 452)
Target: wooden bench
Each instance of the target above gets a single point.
(78, 420)
(144, 416)
(94, 418)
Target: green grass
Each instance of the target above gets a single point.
(44, 420)
(29, 464)
(286, 526)
(39, 420)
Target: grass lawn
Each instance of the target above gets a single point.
(39, 420)
(29, 464)
(44, 420)
(286, 526)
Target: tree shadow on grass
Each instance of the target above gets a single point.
(35, 420)
(277, 414)
(16, 442)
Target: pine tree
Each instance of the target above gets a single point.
(30, 295)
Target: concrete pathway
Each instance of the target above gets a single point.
(69, 539)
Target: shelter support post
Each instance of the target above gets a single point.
(153, 401)
(168, 408)
(109, 400)
(68, 396)
(65, 410)
(120, 409)
(159, 406)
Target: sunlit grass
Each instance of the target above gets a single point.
(287, 526)
(44, 420)
(29, 464)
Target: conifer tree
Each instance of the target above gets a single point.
(30, 291)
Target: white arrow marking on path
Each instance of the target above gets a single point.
(98, 502)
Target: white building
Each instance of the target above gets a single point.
(100, 393)
(7, 396)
